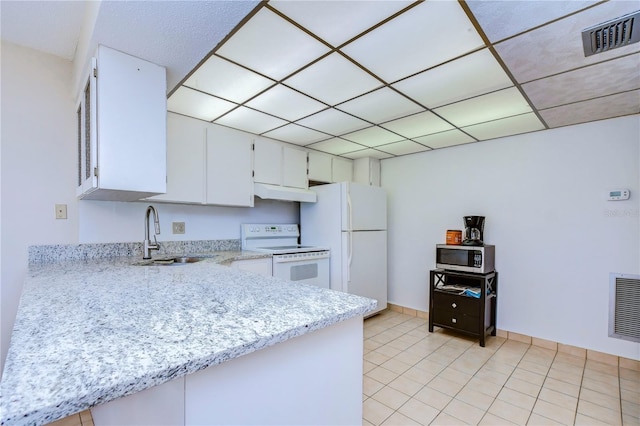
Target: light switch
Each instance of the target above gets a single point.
(61, 211)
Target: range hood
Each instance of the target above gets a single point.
(284, 193)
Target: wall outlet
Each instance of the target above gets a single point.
(61, 211)
(178, 227)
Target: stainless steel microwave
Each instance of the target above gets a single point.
(475, 259)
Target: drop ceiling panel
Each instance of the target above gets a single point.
(596, 109)
(367, 153)
(372, 136)
(417, 125)
(557, 47)
(493, 106)
(271, 46)
(472, 75)
(221, 78)
(403, 148)
(333, 122)
(251, 121)
(333, 79)
(430, 33)
(445, 139)
(197, 104)
(295, 134)
(380, 105)
(507, 126)
(502, 19)
(428, 51)
(285, 103)
(622, 75)
(334, 21)
(336, 146)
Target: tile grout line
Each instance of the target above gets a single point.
(403, 329)
(454, 397)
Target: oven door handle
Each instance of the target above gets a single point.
(277, 259)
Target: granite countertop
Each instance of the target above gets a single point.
(90, 331)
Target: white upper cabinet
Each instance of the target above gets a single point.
(280, 164)
(268, 162)
(341, 170)
(320, 167)
(326, 168)
(122, 120)
(229, 167)
(185, 160)
(366, 170)
(294, 171)
(207, 164)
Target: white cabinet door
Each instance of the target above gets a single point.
(262, 266)
(127, 127)
(229, 167)
(319, 167)
(366, 170)
(342, 170)
(185, 161)
(268, 162)
(294, 168)
(276, 163)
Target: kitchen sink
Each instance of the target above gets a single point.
(170, 261)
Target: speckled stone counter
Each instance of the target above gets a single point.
(90, 331)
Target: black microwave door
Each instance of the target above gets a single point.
(454, 257)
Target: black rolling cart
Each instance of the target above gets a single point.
(453, 308)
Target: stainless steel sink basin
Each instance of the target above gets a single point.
(169, 261)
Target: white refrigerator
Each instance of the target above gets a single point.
(351, 220)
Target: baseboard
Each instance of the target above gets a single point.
(589, 354)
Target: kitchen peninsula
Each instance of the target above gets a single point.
(184, 344)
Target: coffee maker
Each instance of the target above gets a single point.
(473, 231)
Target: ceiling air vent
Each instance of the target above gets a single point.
(612, 34)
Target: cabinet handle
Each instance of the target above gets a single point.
(453, 305)
(453, 320)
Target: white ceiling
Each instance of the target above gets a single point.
(363, 78)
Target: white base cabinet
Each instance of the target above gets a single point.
(122, 113)
(314, 379)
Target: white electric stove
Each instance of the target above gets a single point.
(291, 261)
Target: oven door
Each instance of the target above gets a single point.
(308, 268)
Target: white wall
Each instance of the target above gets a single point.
(38, 163)
(556, 237)
(107, 221)
(39, 170)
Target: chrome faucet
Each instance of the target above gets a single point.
(146, 245)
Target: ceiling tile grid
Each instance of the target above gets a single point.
(386, 78)
(600, 109)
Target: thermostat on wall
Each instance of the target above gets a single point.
(618, 194)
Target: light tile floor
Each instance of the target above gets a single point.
(413, 377)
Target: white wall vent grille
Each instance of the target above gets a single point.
(624, 306)
(612, 34)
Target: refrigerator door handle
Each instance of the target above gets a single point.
(350, 254)
(349, 213)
